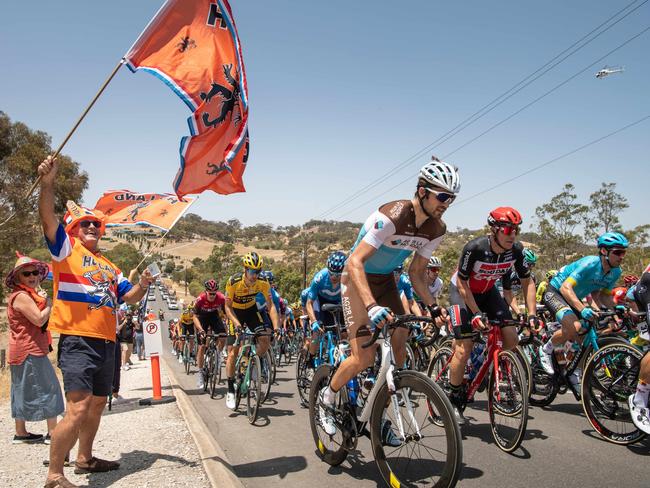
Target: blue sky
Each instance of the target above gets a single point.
(341, 93)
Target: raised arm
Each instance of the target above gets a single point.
(48, 170)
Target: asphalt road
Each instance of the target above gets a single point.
(559, 449)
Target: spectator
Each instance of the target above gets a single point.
(35, 391)
(139, 339)
(126, 340)
(87, 291)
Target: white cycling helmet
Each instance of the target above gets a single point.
(441, 175)
(434, 262)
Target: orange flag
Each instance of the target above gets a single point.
(124, 208)
(193, 46)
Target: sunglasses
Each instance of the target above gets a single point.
(618, 252)
(253, 271)
(87, 223)
(442, 196)
(509, 229)
(31, 273)
(336, 275)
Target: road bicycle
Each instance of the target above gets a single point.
(188, 351)
(248, 377)
(212, 360)
(507, 387)
(403, 400)
(328, 339)
(610, 377)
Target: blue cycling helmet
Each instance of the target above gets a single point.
(267, 275)
(612, 239)
(336, 261)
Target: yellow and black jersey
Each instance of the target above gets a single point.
(187, 317)
(243, 295)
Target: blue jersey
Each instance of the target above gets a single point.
(586, 275)
(260, 300)
(321, 288)
(404, 286)
(391, 230)
(289, 313)
(304, 294)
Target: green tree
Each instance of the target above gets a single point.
(602, 216)
(124, 256)
(21, 151)
(557, 222)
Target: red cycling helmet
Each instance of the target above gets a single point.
(504, 215)
(630, 280)
(211, 285)
(618, 294)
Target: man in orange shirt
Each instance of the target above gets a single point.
(88, 289)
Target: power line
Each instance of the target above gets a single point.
(491, 105)
(494, 126)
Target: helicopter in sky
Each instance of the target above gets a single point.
(609, 70)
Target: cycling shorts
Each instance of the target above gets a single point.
(556, 304)
(187, 329)
(212, 323)
(491, 303)
(251, 318)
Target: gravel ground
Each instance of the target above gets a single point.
(153, 444)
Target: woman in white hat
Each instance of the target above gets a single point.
(35, 390)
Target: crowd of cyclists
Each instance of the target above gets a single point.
(366, 298)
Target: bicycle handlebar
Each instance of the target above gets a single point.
(400, 321)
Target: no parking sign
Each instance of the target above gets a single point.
(152, 337)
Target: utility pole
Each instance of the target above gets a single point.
(185, 268)
(304, 264)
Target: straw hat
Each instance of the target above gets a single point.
(23, 261)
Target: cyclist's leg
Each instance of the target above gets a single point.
(386, 293)
(463, 338)
(557, 305)
(496, 308)
(356, 319)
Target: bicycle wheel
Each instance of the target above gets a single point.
(265, 377)
(429, 455)
(508, 401)
(272, 365)
(208, 359)
(410, 358)
(523, 360)
(330, 448)
(544, 387)
(215, 373)
(240, 375)
(609, 378)
(438, 371)
(254, 394)
(287, 351)
(302, 381)
(186, 357)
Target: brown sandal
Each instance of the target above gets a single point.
(61, 482)
(95, 465)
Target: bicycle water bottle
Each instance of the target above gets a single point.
(476, 359)
(353, 391)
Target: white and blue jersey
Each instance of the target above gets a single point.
(304, 294)
(586, 275)
(323, 290)
(391, 230)
(404, 286)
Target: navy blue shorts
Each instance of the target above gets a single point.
(87, 364)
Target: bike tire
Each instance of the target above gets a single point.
(273, 366)
(254, 393)
(265, 377)
(604, 398)
(335, 454)
(207, 370)
(523, 359)
(516, 378)
(186, 357)
(447, 469)
(302, 383)
(215, 373)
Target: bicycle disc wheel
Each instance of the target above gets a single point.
(610, 377)
(508, 401)
(302, 382)
(427, 454)
(254, 394)
(330, 448)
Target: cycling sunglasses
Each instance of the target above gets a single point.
(253, 271)
(509, 229)
(86, 223)
(30, 273)
(441, 196)
(618, 252)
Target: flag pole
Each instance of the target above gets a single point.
(159, 241)
(83, 115)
